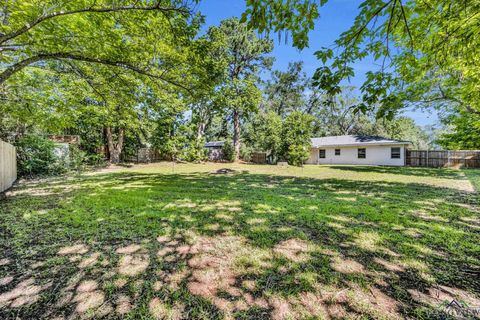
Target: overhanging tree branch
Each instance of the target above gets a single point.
(406, 25)
(155, 7)
(11, 70)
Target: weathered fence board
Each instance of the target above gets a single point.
(145, 155)
(8, 165)
(443, 158)
(259, 157)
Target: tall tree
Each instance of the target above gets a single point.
(117, 62)
(245, 54)
(427, 50)
(403, 128)
(335, 114)
(205, 100)
(297, 131)
(285, 90)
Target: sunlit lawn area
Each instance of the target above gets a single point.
(262, 242)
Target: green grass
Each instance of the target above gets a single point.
(474, 177)
(171, 242)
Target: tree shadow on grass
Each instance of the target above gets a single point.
(240, 246)
(408, 171)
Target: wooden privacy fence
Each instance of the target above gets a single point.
(443, 158)
(8, 165)
(145, 155)
(259, 157)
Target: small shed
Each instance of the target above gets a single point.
(62, 145)
(214, 150)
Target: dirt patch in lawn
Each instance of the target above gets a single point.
(247, 246)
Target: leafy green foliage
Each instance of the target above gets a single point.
(464, 133)
(427, 50)
(246, 152)
(36, 156)
(77, 158)
(336, 114)
(296, 16)
(296, 137)
(403, 128)
(169, 138)
(285, 91)
(195, 151)
(228, 151)
(122, 35)
(263, 133)
(88, 66)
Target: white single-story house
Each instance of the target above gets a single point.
(358, 150)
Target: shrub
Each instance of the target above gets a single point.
(95, 159)
(77, 158)
(36, 156)
(246, 153)
(228, 151)
(296, 134)
(195, 152)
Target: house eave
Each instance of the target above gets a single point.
(362, 144)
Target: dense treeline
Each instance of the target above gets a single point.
(125, 76)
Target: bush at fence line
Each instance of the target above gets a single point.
(246, 153)
(195, 151)
(36, 156)
(77, 158)
(96, 160)
(228, 151)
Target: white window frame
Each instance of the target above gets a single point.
(399, 153)
(364, 153)
(324, 154)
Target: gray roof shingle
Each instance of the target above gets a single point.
(354, 140)
(214, 144)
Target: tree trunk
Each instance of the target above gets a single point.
(236, 135)
(201, 130)
(115, 149)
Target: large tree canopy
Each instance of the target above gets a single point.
(131, 36)
(428, 51)
(118, 62)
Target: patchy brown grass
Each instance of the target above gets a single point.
(237, 246)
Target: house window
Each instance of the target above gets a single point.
(362, 153)
(321, 153)
(337, 152)
(396, 153)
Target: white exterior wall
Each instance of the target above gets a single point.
(379, 155)
(8, 165)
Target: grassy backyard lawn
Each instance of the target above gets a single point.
(262, 242)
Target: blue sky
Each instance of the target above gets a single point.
(335, 17)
